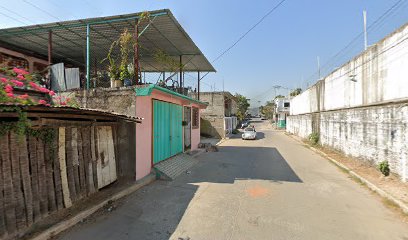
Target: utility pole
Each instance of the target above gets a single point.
(365, 29)
(318, 67)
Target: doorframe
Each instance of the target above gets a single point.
(152, 124)
(191, 127)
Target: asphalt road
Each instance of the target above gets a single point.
(270, 188)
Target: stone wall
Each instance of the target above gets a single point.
(119, 100)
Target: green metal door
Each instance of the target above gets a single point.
(167, 130)
(176, 116)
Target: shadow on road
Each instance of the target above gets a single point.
(155, 211)
(240, 163)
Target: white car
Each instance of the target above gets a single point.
(249, 133)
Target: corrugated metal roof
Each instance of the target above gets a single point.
(69, 40)
(86, 112)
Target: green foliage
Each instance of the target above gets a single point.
(124, 73)
(296, 92)
(384, 168)
(242, 105)
(268, 110)
(314, 138)
(235, 131)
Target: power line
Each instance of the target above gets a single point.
(42, 10)
(19, 15)
(252, 28)
(382, 18)
(12, 18)
(246, 33)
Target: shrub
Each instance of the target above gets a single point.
(235, 131)
(384, 168)
(314, 138)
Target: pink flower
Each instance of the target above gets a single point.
(17, 83)
(20, 71)
(33, 85)
(44, 90)
(21, 77)
(10, 95)
(25, 96)
(43, 102)
(63, 103)
(4, 80)
(8, 88)
(51, 93)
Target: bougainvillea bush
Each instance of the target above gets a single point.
(14, 82)
(15, 79)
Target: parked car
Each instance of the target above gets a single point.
(249, 133)
(244, 124)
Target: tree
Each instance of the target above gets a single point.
(242, 105)
(296, 92)
(268, 110)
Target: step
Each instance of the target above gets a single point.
(171, 168)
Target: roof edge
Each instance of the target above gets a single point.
(148, 89)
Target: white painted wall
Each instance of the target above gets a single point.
(381, 75)
(374, 134)
(349, 121)
(300, 125)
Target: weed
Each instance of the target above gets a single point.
(384, 168)
(314, 138)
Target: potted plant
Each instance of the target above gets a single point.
(114, 73)
(123, 73)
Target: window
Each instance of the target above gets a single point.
(196, 118)
(286, 104)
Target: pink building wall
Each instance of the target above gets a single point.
(144, 131)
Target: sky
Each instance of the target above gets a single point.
(281, 51)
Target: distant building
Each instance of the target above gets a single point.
(219, 118)
(282, 110)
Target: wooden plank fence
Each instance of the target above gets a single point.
(41, 176)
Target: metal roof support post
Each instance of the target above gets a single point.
(181, 75)
(88, 52)
(49, 58)
(198, 86)
(136, 54)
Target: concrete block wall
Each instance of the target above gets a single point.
(300, 125)
(361, 108)
(378, 75)
(373, 134)
(212, 126)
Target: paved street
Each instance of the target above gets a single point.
(270, 188)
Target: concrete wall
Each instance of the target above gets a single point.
(119, 100)
(381, 75)
(300, 125)
(212, 121)
(373, 134)
(212, 126)
(361, 108)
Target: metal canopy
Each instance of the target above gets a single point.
(69, 40)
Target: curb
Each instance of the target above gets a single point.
(369, 184)
(64, 225)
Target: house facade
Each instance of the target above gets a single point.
(219, 118)
(171, 121)
(282, 110)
